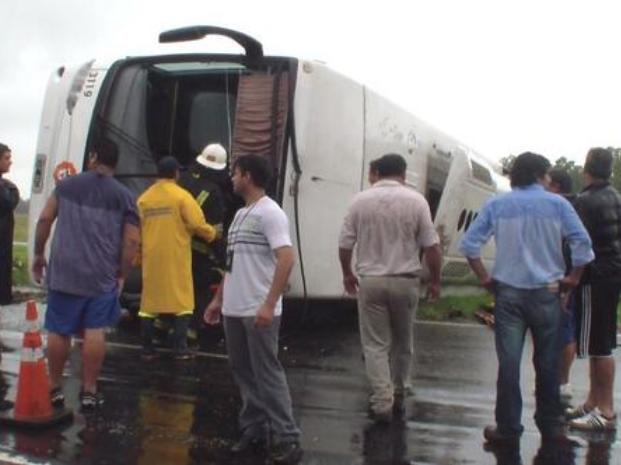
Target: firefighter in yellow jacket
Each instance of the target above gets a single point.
(169, 218)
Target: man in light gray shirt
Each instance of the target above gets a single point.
(388, 225)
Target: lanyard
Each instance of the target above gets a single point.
(234, 233)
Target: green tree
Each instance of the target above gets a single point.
(615, 179)
(506, 163)
(573, 169)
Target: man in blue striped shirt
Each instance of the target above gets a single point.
(528, 279)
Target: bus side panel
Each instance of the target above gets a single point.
(61, 140)
(451, 206)
(49, 145)
(390, 129)
(476, 195)
(82, 118)
(329, 128)
(461, 201)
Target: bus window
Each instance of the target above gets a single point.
(462, 219)
(481, 173)
(154, 110)
(186, 111)
(468, 221)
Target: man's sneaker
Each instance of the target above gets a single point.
(287, 453)
(572, 413)
(57, 398)
(566, 392)
(90, 401)
(493, 436)
(594, 421)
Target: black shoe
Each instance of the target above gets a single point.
(492, 435)
(400, 398)
(398, 408)
(505, 454)
(560, 440)
(248, 443)
(287, 453)
(90, 401)
(57, 398)
(381, 417)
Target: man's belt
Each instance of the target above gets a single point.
(403, 275)
(397, 275)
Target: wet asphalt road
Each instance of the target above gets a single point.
(168, 412)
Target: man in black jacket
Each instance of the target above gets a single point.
(9, 198)
(599, 207)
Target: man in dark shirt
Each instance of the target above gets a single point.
(9, 198)
(561, 183)
(95, 241)
(599, 207)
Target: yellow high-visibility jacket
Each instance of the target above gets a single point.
(169, 218)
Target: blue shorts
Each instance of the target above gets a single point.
(69, 314)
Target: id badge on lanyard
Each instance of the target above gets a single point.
(233, 233)
(228, 265)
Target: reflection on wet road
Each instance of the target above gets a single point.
(167, 412)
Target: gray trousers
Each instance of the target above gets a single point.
(253, 356)
(386, 310)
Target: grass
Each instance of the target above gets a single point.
(20, 252)
(461, 308)
(20, 266)
(453, 307)
(21, 228)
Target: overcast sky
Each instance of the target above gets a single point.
(500, 76)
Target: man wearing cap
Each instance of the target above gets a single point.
(169, 218)
(206, 179)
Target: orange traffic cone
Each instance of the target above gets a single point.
(32, 404)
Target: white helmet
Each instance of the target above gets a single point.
(213, 156)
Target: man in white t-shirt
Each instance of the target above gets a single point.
(259, 259)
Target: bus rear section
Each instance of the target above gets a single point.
(175, 105)
(70, 98)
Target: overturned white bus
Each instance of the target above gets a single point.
(318, 128)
